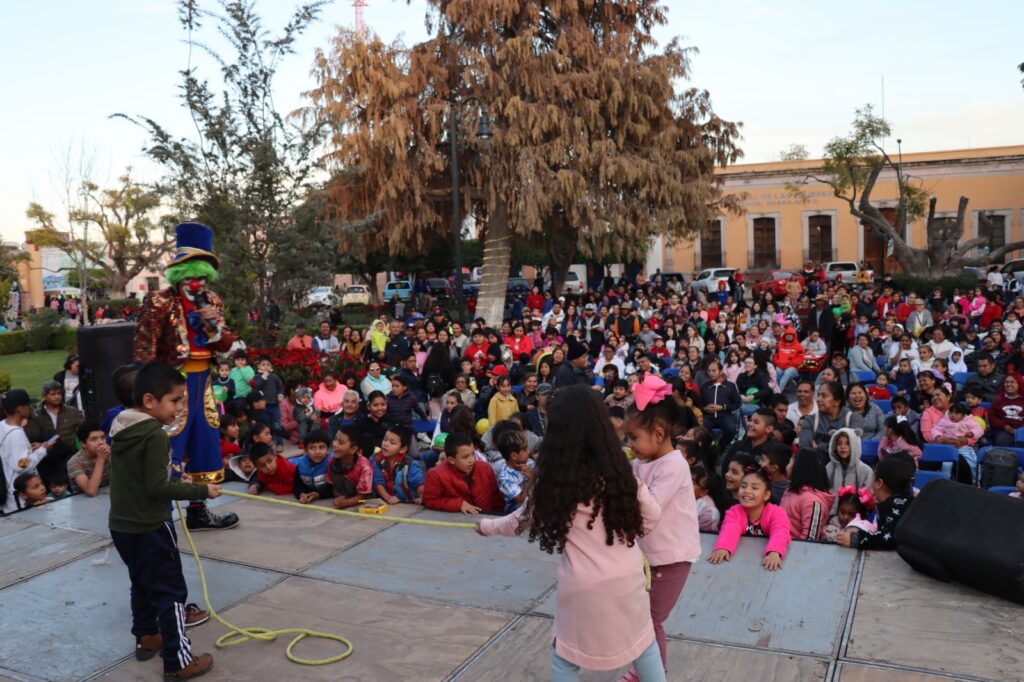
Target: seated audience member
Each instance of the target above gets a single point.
(755, 516)
(516, 478)
(397, 477)
(89, 468)
(708, 516)
(808, 501)
(350, 472)
(462, 483)
(844, 466)
(29, 490)
(229, 430)
(891, 487)
(241, 469)
(274, 473)
(775, 460)
(311, 482)
(854, 507)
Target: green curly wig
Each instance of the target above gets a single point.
(195, 267)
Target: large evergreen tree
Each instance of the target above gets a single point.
(594, 146)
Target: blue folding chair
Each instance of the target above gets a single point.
(670, 372)
(985, 405)
(923, 478)
(864, 376)
(939, 453)
(519, 388)
(665, 362)
(599, 381)
(884, 405)
(1018, 435)
(424, 425)
(869, 451)
(1002, 489)
(961, 379)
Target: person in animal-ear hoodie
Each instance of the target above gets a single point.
(844, 464)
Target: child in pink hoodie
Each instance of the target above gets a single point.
(959, 429)
(754, 516)
(602, 613)
(674, 544)
(808, 500)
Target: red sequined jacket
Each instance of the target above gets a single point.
(161, 334)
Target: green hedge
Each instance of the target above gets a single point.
(923, 286)
(66, 339)
(13, 342)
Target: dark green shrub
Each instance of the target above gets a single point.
(66, 339)
(43, 328)
(922, 286)
(5, 382)
(13, 342)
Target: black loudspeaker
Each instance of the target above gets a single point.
(102, 349)
(956, 532)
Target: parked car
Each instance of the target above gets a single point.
(572, 285)
(517, 286)
(471, 288)
(398, 287)
(357, 294)
(776, 283)
(978, 273)
(707, 280)
(1014, 268)
(845, 271)
(439, 287)
(320, 296)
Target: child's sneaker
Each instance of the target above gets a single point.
(148, 646)
(200, 665)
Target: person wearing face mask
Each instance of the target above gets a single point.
(183, 326)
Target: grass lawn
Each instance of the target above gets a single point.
(30, 370)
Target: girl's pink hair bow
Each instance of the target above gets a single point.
(651, 391)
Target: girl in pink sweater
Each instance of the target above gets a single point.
(757, 517)
(673, 546)
(808, 500)
(587, 505)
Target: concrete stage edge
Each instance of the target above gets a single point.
(427, 603)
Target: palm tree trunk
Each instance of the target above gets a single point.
(497, 259)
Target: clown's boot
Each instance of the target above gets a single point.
(198, 517)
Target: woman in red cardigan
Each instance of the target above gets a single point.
(462, 483)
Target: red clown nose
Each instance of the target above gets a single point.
(195, 285)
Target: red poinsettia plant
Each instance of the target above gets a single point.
(307, 365)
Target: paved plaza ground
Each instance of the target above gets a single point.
(429, 603)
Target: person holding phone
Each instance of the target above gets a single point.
(53, 424)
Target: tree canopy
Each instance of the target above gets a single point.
(247, 170)
(594, 147)
(852, 166)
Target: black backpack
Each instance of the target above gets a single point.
(999, 468)
(435, 385)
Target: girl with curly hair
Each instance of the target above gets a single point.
(587, 505)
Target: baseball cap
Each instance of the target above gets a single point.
(15, 398)
(544, 388)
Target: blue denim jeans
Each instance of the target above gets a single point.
(274, 415)
(787, 375)
(648, 666)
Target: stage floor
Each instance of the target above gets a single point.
(429, 603)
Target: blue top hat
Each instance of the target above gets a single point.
(194, 240)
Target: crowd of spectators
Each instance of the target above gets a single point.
(815, 389)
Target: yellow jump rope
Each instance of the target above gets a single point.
(238, 635)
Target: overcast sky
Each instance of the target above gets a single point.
(792, 72)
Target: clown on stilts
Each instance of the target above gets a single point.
(183, 325)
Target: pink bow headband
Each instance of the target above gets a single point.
(864, 495)
(650, 391)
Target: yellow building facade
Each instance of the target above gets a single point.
(780, 230)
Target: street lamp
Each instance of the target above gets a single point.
(484, 133)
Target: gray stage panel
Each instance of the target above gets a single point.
(906, 618)
(74, 621)
(454, 565)
(27, 549)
